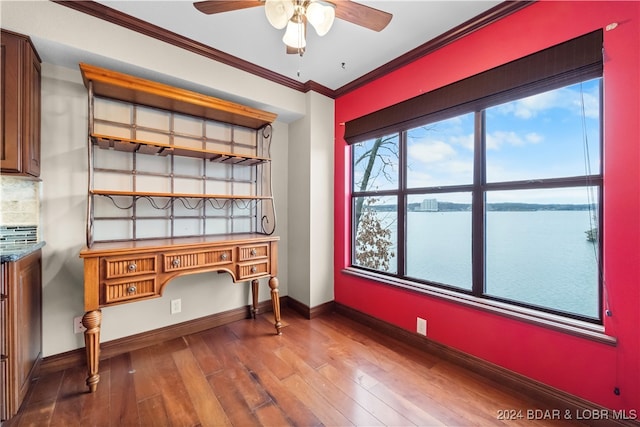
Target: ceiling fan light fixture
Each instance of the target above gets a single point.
(294, 14)
(321, 16)
(279, 12)
(294, 35)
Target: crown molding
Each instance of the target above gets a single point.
(134, 24)
(488, 17)
(310, 85)
(116, 17)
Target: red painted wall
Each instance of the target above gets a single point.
(579, 366)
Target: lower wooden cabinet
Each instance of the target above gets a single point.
(21, 327)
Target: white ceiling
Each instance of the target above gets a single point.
(346, 53)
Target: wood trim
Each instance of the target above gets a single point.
(160, 148)
(299, 308)
(193, 243)
(490, 16)
(134, 24)
(318, 88)
(115, 17)
(558, 399)
(77, 357)
(132, 89)
(26, 39)
(308, 312)
(327, 307)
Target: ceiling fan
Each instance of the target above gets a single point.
(294, 15)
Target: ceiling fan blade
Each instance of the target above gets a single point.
(217, 6)
(362, 15)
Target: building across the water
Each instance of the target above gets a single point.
(429, 205)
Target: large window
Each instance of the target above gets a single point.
(498, 198)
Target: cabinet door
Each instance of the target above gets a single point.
(10, 155)
(28, 320)
(20, 106)
(22, 328)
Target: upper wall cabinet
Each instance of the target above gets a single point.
(20, 106)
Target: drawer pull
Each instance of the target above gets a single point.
(223, 257)
(132, 266)
(253, 252)
(254, 268)
(175, 262)
(132, 289)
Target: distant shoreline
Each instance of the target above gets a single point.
(491, 207)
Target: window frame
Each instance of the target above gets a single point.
(479, 187)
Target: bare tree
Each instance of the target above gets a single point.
(373, 241)
(386, 151)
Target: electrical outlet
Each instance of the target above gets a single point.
(421, 326)
(176, 306)
(78, 327)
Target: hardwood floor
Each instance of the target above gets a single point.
(329, 371)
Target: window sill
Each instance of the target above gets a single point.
(566, 325)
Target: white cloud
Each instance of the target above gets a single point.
(436, 164)
(571, 99)
(431, 152)
(529, 107)
(460, 167)
(418, 179)
(465, 141)
(499, 138)
(533, 138)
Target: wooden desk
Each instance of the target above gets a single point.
(125, 272)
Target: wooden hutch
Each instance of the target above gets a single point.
(179, 183)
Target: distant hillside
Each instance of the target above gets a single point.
(537, 207)
(495, 207)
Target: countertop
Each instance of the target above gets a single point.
(14, 252)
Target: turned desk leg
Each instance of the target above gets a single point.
(275, 301)
(254, 295)
(92, 320)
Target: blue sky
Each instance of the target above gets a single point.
(542, 136)
(538, 137)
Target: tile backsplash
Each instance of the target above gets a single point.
(18, 234)
(19, 209)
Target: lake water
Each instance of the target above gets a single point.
(541, 258)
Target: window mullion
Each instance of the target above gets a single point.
(477, 205)
(402, 206)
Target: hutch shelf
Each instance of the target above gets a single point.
(178, 183)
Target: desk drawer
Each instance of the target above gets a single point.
(218, 256)
(180, 261)
(186, 260)
(247, 253)
(129, 266)
(254, 269)
(126, 290)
